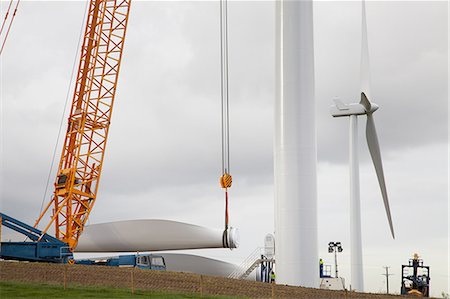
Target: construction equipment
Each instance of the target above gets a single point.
(82, 156)
(141, 261)
(81, 162)
(415, 278)
(327, 281)
(48, 249)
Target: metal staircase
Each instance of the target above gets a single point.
(255, 259)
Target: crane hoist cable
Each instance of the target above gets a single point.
(6, 16)
(10, 24)
(225, 179)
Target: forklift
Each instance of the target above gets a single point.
(415, 278)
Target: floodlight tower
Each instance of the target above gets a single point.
(295, 152)
(335, 247)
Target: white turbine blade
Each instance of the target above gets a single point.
(150, 235)
(374, 148)
(190, 263)
(365, 65)
(365, 102)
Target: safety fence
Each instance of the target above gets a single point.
(165, 281)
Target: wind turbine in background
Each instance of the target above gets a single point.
(364, 107)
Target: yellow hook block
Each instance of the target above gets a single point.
(226, 180)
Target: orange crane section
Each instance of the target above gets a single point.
(81, 162)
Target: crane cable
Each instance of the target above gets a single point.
(10, 23)
(6, 16)
(225, 179)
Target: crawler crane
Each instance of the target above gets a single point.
(80, 166)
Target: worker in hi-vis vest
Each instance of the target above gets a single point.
(272, 277)
(321, 268)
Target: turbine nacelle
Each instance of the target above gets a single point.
(339, 109)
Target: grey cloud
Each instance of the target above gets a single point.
(163, 157)
(408, 68)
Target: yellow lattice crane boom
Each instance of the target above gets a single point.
(81, 162)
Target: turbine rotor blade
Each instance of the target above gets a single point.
(365, 64)
(152, 235)
(365, 102)
(374, 149)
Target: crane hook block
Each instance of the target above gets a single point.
(226, 180)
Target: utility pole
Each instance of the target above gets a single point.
(387, 277)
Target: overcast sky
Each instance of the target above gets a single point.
(163, 158)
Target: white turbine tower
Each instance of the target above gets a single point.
(295, 153)
(364, 107)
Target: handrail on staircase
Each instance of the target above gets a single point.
(249, 264)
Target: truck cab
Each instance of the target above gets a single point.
(150, 261)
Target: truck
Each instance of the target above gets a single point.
(141, 261)
(45, 248)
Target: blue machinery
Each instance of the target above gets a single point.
(141, 261)
(41, 248)
(45, 248)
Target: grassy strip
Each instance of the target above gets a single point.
(33, 290)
